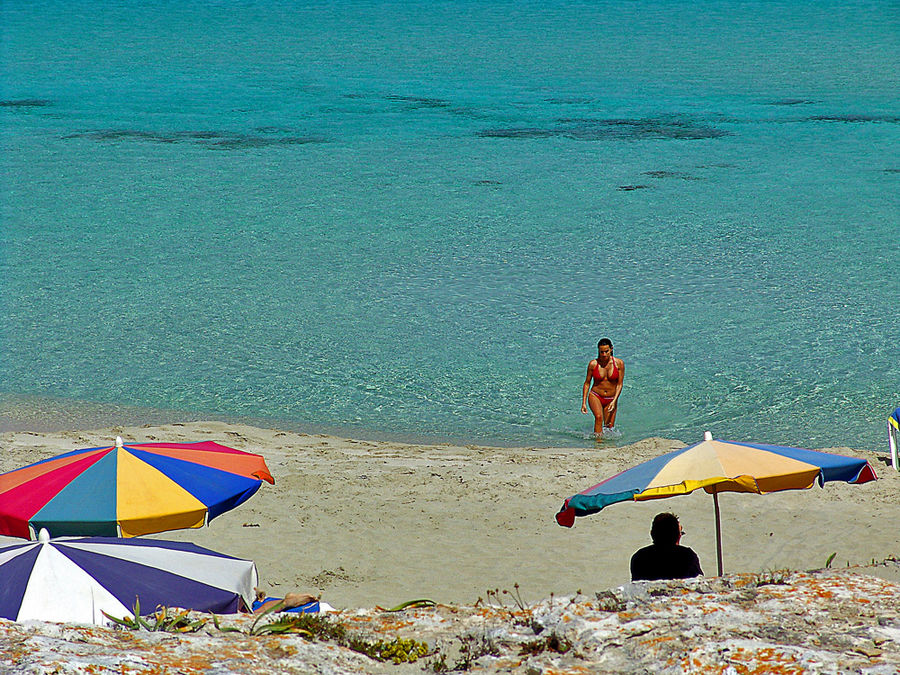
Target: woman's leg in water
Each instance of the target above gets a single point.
(599, 414)
(610, 416)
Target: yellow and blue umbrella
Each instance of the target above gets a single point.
(128, 490)
(717, 466)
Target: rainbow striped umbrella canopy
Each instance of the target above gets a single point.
(128, 490)
(717, 466)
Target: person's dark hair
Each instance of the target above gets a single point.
(605, 341)
(665, 530)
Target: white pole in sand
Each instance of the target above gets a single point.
(707, 436)
(892, 444)
(718, 533)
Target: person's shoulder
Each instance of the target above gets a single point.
(643, 552)
(686, 551)
(690, 563)
(642, 564)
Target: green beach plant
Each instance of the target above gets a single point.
(548, 643)
(224, 629)
(160, 621)
(315, 626)
(520, 612)
(438, 664)
(516, 596)
(471, 648)
(311, 626)
(398, 650)
(409, 604)
(769, 578)
(607, 601)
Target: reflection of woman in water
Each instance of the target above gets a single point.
(608, 372)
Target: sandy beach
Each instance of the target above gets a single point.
(369, 523)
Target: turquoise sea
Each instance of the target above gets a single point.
(414, 220)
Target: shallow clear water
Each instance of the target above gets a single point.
(417, 219)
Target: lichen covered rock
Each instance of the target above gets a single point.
(781, 622)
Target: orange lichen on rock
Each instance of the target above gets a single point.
(766, 660)
(571, 670)
(389, 625)
(652, 642)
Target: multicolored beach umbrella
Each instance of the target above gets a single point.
(128, 490)
(76, 579)
(717, 466)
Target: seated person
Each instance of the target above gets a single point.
(665, 559)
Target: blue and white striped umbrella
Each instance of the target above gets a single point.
(75, 579)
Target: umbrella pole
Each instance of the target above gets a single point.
(718, 533)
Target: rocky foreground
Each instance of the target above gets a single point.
(829, 621)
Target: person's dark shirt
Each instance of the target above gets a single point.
(664, 562)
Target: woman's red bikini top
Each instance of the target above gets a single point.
(615, 373)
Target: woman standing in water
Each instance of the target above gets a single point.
(608, 372)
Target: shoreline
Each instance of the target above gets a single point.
(46, 414)
(369, 523)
